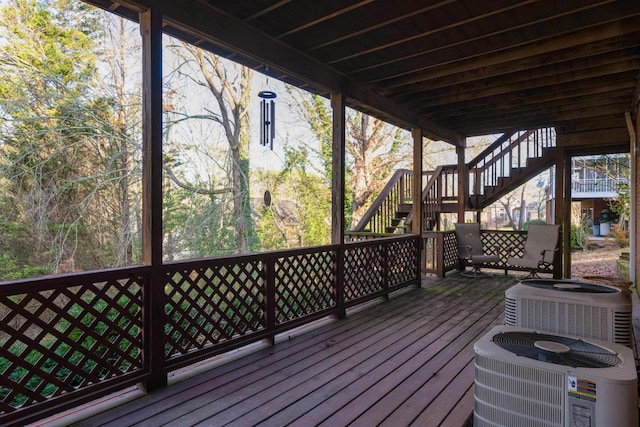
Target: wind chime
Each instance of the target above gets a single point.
(267, 126)
(267, 118)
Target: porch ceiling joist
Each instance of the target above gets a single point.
(452, 68)
(209, 27)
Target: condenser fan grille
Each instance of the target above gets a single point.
(568, 286)
(557, 349)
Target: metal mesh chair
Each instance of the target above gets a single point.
(470, 250)
(543, 241)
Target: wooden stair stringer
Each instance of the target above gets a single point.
(517, 178)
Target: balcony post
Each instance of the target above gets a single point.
(416, 194)
(337, 197)
(634, 194)
(151, 31)
(463, 182)
(416, 208)
(563, 210)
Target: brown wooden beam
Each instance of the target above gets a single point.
(463, 183)
(378, 61)
(507, 84)
(531, 99)
(600, 52)
(152, 234)
(634, 218)
(204, 21)
(337, 170)
(505, 56)
(595, 137)
(416, 208)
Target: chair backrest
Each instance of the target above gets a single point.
(542, 237)
(468, 234)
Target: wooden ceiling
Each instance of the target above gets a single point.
(453, 68)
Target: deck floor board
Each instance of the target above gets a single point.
(406, 361)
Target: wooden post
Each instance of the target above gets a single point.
(337, 173)
(337, 197)
(463, 183)
(151, 31)
(634, 196)
(563, 208)
(416, 208)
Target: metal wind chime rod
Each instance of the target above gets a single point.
(267, 118)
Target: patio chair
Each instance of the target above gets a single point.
(470, 249)
(543, 241)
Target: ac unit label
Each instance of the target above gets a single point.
(581, 388)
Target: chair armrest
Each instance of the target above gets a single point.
(543, 255)
(464, 251)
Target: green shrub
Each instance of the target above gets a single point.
(578, 237)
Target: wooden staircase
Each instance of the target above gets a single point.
(389, 212)
(509, 162)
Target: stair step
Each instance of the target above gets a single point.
(396, 221)
(391, 230)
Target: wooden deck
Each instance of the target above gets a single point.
(406, 361)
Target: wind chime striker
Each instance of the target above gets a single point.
(267, 118)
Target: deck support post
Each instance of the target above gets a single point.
(416, 192)
(151, 31)
(337, 197)
(563, 211)
(634, 194)
(463, 182)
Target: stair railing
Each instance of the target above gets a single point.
(489, 169)
(441, 188)
(382, 211)
(511, 151)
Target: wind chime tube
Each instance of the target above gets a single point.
(262, 134)
(272, 123)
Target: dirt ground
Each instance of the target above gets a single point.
(599, 261)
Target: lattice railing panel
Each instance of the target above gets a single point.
(363, 272)
(212, 303)
(504, 244)
(450, 250)
(303, 284)
(61, 339)
(402, 261)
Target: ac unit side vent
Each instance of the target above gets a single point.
(510, 312)
(516, 394)
(622, 328)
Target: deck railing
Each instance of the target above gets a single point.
(380, 215)
(69, 339)
(440, 251)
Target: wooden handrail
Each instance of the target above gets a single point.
(396, 179)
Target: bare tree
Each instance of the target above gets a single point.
(230, 87)
(374, 149)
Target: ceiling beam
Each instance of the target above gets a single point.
(602, 51)
(566, 71)
(594, 34)
(540, 97)
(211, 25)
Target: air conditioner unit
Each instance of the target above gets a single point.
(525, 378)
(571, 307)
